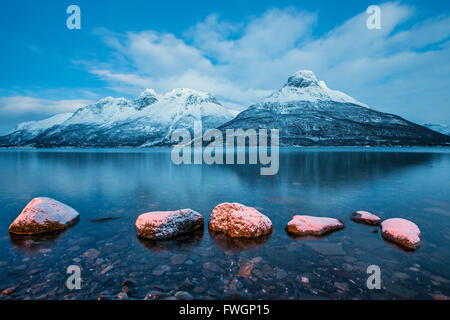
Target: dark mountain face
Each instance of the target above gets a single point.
(307, 113)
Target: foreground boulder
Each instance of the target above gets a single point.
(402, 232)
(312, 226)
(162, 225)
(44, 215)
(366, 218)
(239, 221)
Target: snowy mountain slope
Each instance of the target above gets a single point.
(26, 131)
(148, 120)
(441, 128)
(307, 113)
(304, 86)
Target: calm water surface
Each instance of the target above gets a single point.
(408, 183)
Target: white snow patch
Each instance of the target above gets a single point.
(42, 125)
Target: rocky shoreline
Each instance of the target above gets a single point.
(178, 272)
(110, 273)
(234, 220)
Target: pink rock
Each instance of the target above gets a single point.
(44, 215)
(402, 232)
(312, 226)
(239, 221)
(366, 217)
(160, 225)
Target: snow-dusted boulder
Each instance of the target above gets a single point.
(366, 217)
(161, 225)
(44, 215)
(239, 221)
(312, 226)
(402, 232)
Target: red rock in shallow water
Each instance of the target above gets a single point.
(312, 226)
(44, 215)
(239, 221)
(366, 217)
(402, 232)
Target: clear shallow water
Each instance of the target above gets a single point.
(407, 183)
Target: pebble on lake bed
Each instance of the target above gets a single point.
(162, 225)
(402, 232)
(312, 226)
(366, 218)
(44, 215)
(239, 221)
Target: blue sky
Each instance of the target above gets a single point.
(238, 50)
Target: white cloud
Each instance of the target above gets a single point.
(17, 105)
(402, 68)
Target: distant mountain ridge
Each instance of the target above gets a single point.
(148, 120)
(441, 128)
(308, 113)
(305, 111)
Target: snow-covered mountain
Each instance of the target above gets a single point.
(26, 131)
(307, 113)
(441, 128)
(148, 120)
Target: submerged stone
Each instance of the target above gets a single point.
(312, 226)
(183, 295)
(246, 270)
(160, 270)
(44, 215)
(161, 225)
(178, 259)
(401, 232)
(327, 248)
(239, 221)
(91, 254)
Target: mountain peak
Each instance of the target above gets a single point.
(302, 79)
(191, 96)
(188, 91)
(303, 86)
(147, 93)
(146, 98)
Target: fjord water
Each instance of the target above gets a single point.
(403, 182)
